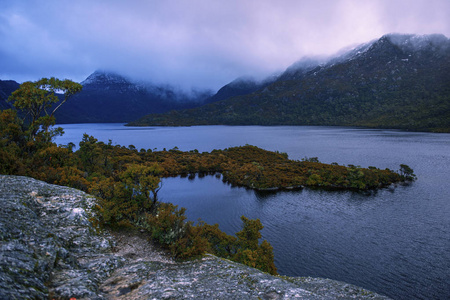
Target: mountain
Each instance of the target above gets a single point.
(109, 97)
(6, 88)
(240, 86)
(397, 81)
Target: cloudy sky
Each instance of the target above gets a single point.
(194, 43)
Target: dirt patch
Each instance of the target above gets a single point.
(135, 245)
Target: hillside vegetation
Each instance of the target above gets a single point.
(398, 81)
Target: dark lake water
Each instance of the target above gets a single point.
(395, 241)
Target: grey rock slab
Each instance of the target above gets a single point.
(214, 278)
(48, 245)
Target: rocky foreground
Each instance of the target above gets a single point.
(50, 249)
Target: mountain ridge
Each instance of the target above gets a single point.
(240, 86)
(397, 81)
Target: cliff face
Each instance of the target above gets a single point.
(50, 249)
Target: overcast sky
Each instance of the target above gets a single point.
(194, 43)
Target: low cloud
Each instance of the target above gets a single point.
(197, 43)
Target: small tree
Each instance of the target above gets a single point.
(89, 153)
(144, 183)
(249, 236)
(251, 253)
(37, 99)
(407, 172)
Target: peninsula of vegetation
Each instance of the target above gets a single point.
(126, 180)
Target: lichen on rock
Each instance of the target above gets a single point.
(48, 245)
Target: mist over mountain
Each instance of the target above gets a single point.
(109, 97)
(397, 81)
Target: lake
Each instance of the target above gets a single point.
(395, 241)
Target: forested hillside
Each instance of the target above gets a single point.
(398, 81)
